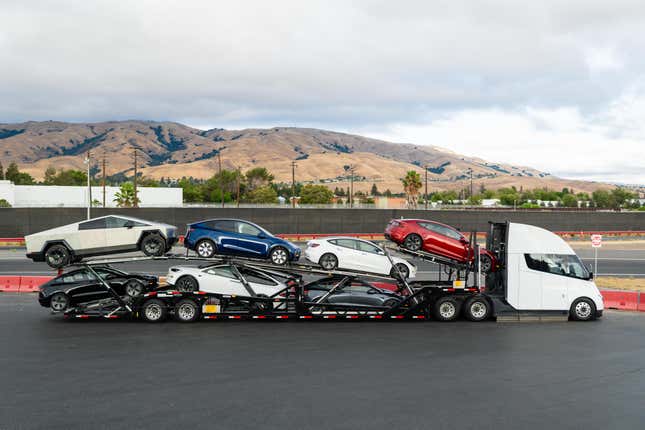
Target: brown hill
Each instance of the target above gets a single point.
(173, 150)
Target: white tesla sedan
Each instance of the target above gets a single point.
(355, 254)
(223, 279)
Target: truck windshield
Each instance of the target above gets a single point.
(557, 264)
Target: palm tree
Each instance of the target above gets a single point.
(411, 186)
(125, 197)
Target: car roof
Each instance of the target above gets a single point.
(425, 220)
(345, 237)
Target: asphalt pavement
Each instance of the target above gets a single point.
(57, 374)
(611, 262)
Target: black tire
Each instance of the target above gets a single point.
(133, 288)
(328, 261)
(205, 248)
(279, 256)
(57, 256)
(583, 309)
(187, 311)
(445, 309)
(153, 245)
(477, 309)
(485, 263)
(403, 269)
(187, 284)
(59, 302)
(154, 311)
(413, 242)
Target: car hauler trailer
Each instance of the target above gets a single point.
(538, 277)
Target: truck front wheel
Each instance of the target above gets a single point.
(583, 310)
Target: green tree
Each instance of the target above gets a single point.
(192, 192)
(1, 172)
(621, 197)
(258, 177)
(411, 185)
(265, 194)
(224, 182)
(603, 199)
(17, 177)
(126, 197)
(316, 194)
(144, 181)
(569, 201)
(374, 191)
(4, 204)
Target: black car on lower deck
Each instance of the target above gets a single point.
(81, 286)
(352, 291)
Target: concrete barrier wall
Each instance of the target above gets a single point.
(18, 222)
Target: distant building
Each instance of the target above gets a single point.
(21, 196)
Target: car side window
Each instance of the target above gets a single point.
(346, 243)
(258, 278)
(116, 222)
(223, 271)
(93, 224)
(78, 276)
(225, 225)
(368, 247)
(246, 228)
(106, 274)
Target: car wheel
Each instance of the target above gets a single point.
(403, 270)
(187, 310)
(187, 284)
(153, 245)
(485, 263)
(57, 256)
(413, 242)
(390, 303)
(583, 310)
(59, 302)
(134, 288)
(328, 261)
(279, 255)
(446, 309)
(205, 248)
(477, 309)
(153, 311)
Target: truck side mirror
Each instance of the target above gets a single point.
(591, 276)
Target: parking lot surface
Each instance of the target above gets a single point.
(58, 374)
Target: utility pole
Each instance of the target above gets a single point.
(293, 184)
(88, 160)
(239, 174)
(221, 180)
(351, 187)
(471, 184)
(103, 180)
(426, 198)
(136, 200)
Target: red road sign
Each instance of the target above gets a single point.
(596, 240)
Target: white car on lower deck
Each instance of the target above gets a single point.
(355, 254)
(223, 279)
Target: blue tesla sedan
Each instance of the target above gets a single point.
(238, 237)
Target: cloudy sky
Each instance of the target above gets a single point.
(556, 85)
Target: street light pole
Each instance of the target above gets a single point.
(293, 184)
(351, 187)
(221, 180)
(471, 184)
(426, 198)
(135, 203)
(103, 180)
(89, 185)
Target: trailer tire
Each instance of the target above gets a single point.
(477, 309)
(154, 311)
(187, 311)
(445, 309)
(153, 245)
(413, 242)
(187, 284)
(57, 256)
(328, 261)
(583, 309)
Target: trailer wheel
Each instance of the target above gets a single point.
(477, 309)
(413, 242)
(154, 310)
(187, 310)
(57, 256)
(446, 309)
(59, 302)
(583, 310)
(187, 284)
(153, 245)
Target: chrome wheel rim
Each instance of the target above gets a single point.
(583, 310)
(186, 312)
(328, 262)
(205, 249)
(447, 310)
(58, 303)
(153, 312)
(279, 256)
(478, 310)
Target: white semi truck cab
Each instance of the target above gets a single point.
(539, 276)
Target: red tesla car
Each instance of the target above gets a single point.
(436, 238)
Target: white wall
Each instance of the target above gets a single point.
(62, 196)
